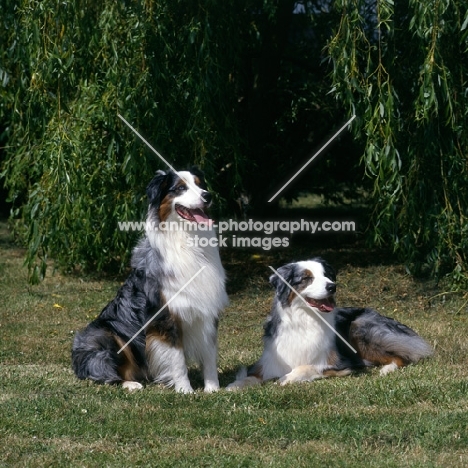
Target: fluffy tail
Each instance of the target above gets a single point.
(94, 356)
(382, 340)
(410, 348)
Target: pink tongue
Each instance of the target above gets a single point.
(200, 216)
(326, 306)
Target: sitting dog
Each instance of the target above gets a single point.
(135, 339)
(301, 341)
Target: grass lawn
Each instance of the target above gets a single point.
(414, 417)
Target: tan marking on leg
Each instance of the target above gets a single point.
(306, 373)
(129, 369)
(163, 331)
(337, 372)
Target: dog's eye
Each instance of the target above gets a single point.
(180, 188)
(307, 279)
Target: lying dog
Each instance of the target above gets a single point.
(164, 261)
(300, 343)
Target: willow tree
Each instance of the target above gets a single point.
(69, 68)
(245, 89)
(402, 67)
(224, 85)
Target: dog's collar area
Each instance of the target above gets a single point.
(196, 215)
(323, 305)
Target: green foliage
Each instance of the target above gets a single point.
(405, 74)
(72, 168)
(205, 82)
(247, 90)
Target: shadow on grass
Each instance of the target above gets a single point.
(338, 248)
(248, 265)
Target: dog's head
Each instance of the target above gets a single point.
(314, 280)
(175, 196)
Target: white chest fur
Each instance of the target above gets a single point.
(301, 339)
(195, 268)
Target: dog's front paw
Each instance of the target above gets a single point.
(211, 387)
(286, 379)
(301, 374)
(131, 386)
(184, 389)
(296, 375)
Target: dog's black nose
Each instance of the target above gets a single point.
(331, 288)
(207, 197)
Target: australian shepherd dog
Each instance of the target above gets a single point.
(301, 341)
(170, 302)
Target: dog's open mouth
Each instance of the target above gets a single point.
(324, 305)
(196, 215)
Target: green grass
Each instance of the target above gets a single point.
(414, 417)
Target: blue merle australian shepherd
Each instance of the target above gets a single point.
(300, 346)
(163, 262)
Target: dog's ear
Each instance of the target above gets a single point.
(157, 186)
(197, 172)
(327, 268)
(288, 273)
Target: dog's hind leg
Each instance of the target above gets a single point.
(250, 381)
(95, 357)
(244, 380)
(388, 368)
(131, 386)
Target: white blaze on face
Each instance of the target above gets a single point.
(193, 196)
(188, 202)
(316, 293)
